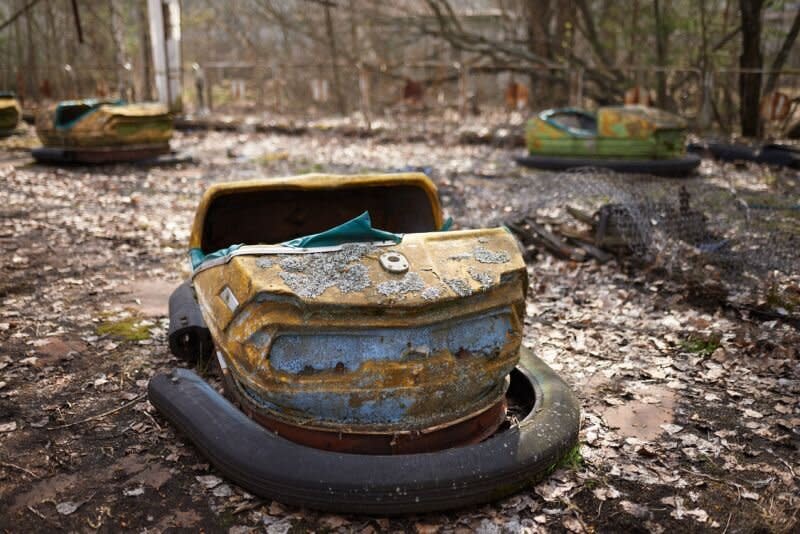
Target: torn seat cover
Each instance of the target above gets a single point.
(337, 337)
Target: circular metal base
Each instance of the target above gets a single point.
(472, 429)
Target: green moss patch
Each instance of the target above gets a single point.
(131, 329)
(272, 157)
(705, 346)
(572, 460)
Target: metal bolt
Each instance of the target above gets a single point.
(394, 262)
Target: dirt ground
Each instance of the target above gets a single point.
(691, 411)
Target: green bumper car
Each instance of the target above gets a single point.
(624, 139)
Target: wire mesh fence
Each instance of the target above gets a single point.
(709, 100)
(738, 232)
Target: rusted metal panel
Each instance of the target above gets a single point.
(471, 429)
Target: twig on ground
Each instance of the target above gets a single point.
(24, 470)
(101, 415)
(728, 523)
(36, 512)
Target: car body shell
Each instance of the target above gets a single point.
(619, 132)
(96, 124)
(10, 113)
(329, 338)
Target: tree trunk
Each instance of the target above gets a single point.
(54, 54)
(144, 50)
(32, 78)
(634, 35)
(704, 116)
(119, 50)
(661, 54)
(750, 60)
(337, 86)
(19, 81)
(783, 55)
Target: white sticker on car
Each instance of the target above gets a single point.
(229, 298)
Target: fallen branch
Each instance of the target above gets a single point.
(36, 512)
(554, 243)
(24, 470)
(101, 415)
(597, 253)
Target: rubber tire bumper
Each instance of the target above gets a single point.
(783, 155)
(658, 167)
(188, 335)
(271, 467)
(53, 156)
(769, 154)
(731, 152)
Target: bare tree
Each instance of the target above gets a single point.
(750, 63)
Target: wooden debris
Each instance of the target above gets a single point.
(530, 232)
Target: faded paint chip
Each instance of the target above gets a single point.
(410, 282)
(487, 256)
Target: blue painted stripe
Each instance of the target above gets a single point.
(320, 351)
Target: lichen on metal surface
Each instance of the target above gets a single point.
(309, 275)
(264, 262)
(431, 292)
(461, 256)
(484, 255)
(460, 286)
(484, 278)
(410, 282)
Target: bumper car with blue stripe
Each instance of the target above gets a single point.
(372, 360)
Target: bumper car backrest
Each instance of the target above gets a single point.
(278, 210)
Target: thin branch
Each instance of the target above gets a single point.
(783, 55)
(18, 14)
(101, 415)
(18, 468)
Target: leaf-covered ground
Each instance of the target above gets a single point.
(691, 412)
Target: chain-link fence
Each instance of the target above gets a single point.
(709, 100)
(737, 232)
(68, 82)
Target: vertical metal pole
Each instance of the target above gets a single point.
(156, 17)
(172, 29)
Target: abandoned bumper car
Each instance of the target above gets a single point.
(10, 113)
(102, 131)
(366, 370)
(634, 139)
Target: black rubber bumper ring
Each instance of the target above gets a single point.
(658, 167)
(271, 467)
